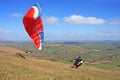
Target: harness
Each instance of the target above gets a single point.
(78, 62)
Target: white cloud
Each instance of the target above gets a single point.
(79, 19)
(15, 15)
(51, 20)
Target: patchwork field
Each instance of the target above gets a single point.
(16, 65)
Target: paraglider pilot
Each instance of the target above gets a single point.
(78, 62)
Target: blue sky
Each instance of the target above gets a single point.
(69, 20)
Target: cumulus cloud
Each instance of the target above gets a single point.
(51, 20)
(15, 15)
(79, 19)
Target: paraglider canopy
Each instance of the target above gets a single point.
(32, 21)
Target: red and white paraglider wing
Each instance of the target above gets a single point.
(33, 25)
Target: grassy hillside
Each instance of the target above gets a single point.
(106, 53)
(15, 67)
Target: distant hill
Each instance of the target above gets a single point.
(15, 67)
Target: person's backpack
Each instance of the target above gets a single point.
(79, 63)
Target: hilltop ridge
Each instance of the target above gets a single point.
(15, 67)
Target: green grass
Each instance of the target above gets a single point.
(112, 65)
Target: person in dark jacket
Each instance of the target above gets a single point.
(77, 63)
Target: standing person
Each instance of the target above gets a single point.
(77, 63)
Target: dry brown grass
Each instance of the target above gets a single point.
(13, 67)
